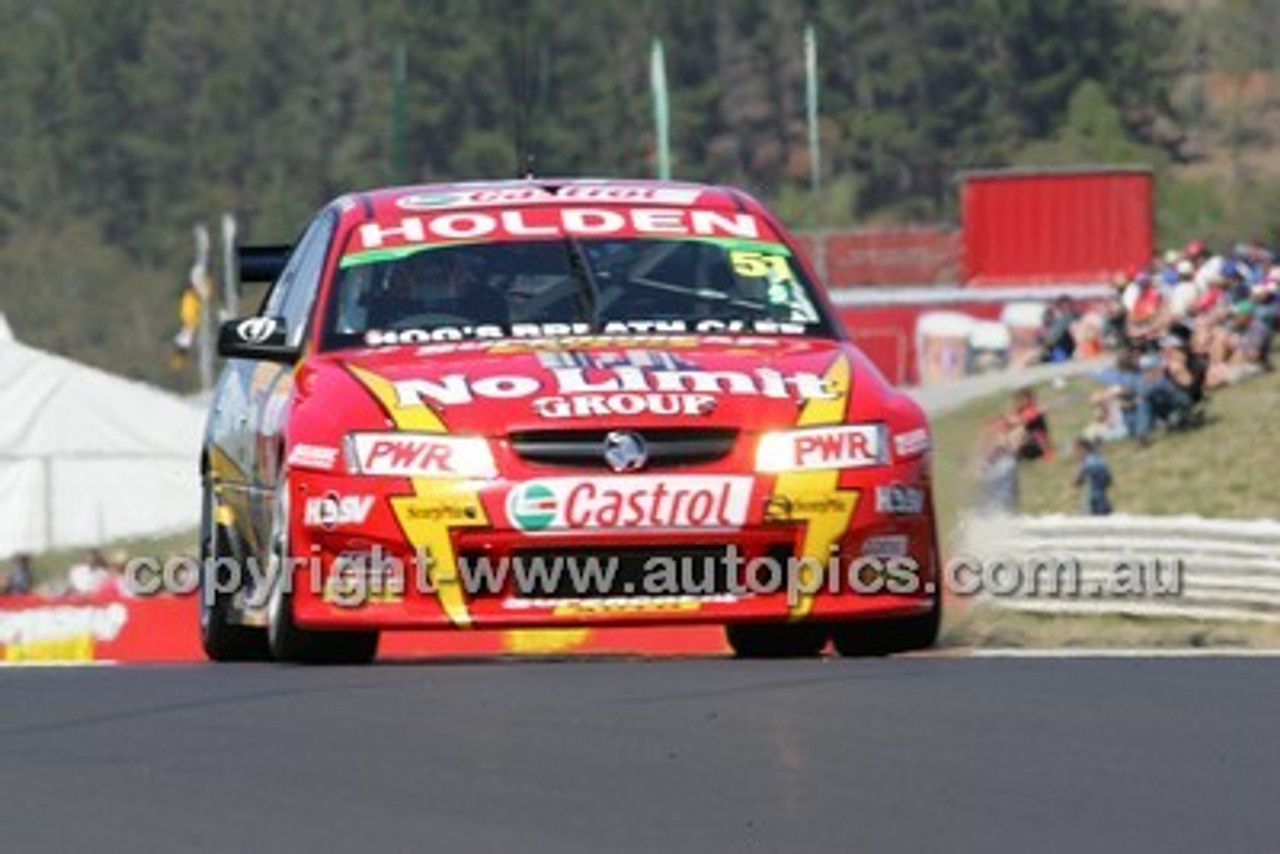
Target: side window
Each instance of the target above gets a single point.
(295, 292)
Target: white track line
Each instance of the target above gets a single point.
(1103, 652)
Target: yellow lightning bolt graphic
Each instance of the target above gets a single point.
(828, 520)
(430, 537)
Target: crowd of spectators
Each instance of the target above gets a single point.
(95, 574)
(1187, 323)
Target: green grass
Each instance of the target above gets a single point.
(1227, 468)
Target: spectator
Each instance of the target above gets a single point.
(1186, 371)
(1144, 303)
(21, 577)
(1115, 314)
(90, 577)
(1057, 340)
(1108, 423)
(1238, 347)
(1162, 400)
(1095, 475)
(1034, 424)
(998, 470)
(1184, 294)
(1256, 342)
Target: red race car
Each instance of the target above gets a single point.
(556, 403)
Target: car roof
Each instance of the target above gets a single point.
(387, 202)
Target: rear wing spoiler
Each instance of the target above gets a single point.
(262, 263)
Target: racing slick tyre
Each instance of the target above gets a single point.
(222, 639)
(289, 642)
(862, 638)
(776, 640)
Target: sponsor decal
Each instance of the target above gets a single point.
(488, 331)
(649, 502)
(625, 605)
(62, 623)
(580, 343)
(425, 536)
(621, 355)
(331, 510)
(822, 530)
(457, 389)
(887, 545)
(785, 508)
(850, 446)
(911, 443)
(408, 455)
(320, 457)
(584, 344)
(898, 500)
(256, 330)
(616, 604)
(549, 222)
(604, 405)
(532, 507)
(526, 194)
(439, 510)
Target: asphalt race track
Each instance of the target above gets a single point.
(614, 755)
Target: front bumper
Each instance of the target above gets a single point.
(396, 554)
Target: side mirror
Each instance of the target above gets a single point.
(262, 338)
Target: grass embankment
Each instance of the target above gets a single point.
(1227, 468)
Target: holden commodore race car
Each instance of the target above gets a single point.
(548, 404)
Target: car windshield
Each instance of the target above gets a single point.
(570, 286)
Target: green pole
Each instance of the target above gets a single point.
(399, 83)
(661, 111)
(811, 103)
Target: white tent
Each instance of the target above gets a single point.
(87, 457)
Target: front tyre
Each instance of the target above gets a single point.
(289, 643)
(287, 640)
(863, 638)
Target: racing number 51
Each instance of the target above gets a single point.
(753, 265)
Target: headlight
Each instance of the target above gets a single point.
(419, 455)
(848, 446)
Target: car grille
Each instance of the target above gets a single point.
(585, 448)
(697, 571)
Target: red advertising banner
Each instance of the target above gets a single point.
(918, 255)
(164, 629)
(1054, 227)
